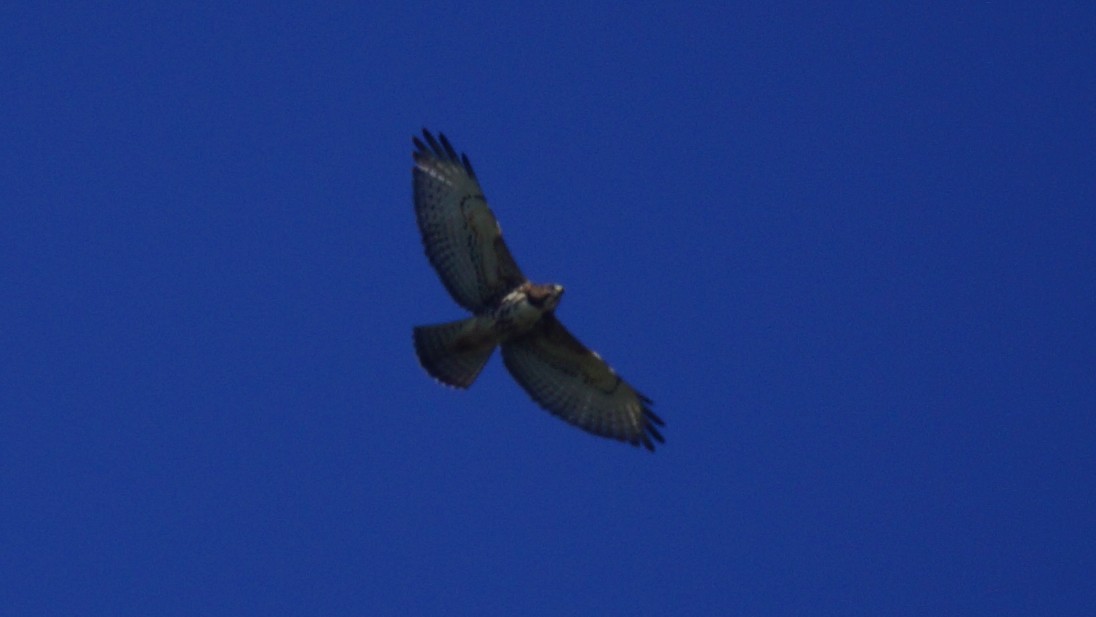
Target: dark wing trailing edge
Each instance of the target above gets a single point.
(574, 383)
(461, 236)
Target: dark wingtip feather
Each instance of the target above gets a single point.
(654, 433)
(441, 149)
(449, 151)
(467, 165)
(649, 427)
(651, 415)
(436, 149)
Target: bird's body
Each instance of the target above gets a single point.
(522, 308)
(464, 244)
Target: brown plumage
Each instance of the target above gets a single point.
(464, 244)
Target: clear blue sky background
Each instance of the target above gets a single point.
(848, 251)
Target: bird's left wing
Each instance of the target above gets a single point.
(459, 232)
(574, 383)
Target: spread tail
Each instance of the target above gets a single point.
(452, 352)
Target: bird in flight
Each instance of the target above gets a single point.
(464, 244)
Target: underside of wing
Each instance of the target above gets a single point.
(574, 383)
(459, 232)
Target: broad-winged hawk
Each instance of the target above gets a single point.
(464, 243)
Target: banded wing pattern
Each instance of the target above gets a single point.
(459, 232)
(464, 244)
(574, 383)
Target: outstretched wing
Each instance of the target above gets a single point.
(574, 383)
(460, 233)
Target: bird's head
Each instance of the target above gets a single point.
(545, 297)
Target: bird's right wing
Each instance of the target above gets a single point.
(461, 236)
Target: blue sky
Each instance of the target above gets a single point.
(847, 250)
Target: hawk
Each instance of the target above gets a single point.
(464, 244)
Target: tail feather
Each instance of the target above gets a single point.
(451, 352)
